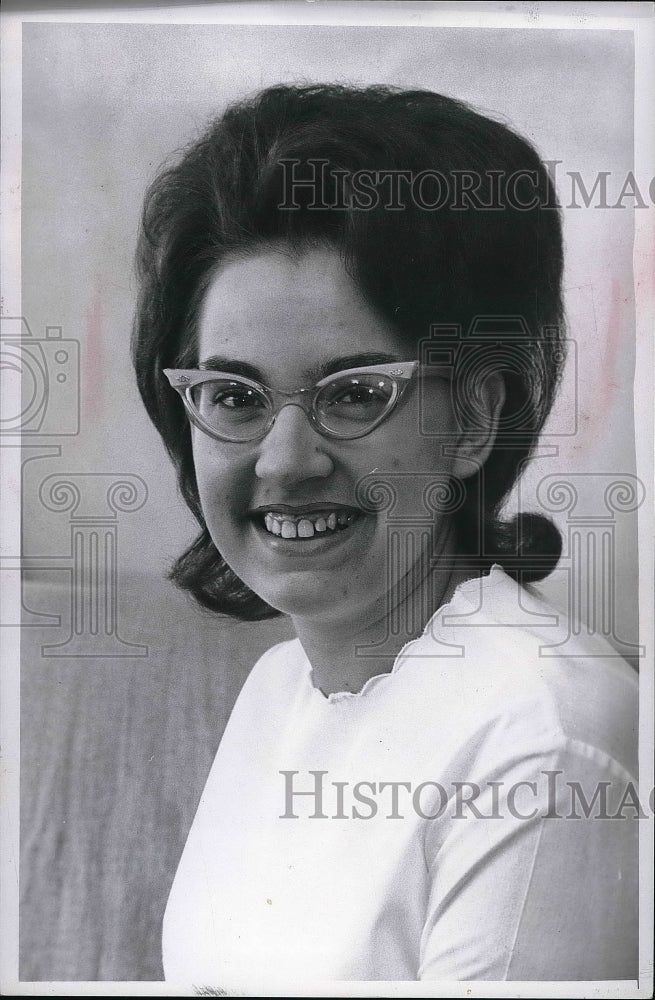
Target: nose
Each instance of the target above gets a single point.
(293, 451)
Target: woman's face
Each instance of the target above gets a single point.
(289, 318)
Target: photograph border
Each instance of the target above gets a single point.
(635, 17)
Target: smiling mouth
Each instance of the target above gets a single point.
(307, 524)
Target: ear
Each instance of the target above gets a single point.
(478, 415)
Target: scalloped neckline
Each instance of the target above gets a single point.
(340, 696)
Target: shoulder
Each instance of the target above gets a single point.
(263, 703)
(277, 672)
(507, 660)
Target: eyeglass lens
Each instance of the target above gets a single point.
(345, 406)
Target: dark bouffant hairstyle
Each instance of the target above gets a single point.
(495, 251)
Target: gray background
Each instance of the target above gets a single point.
(115, 751)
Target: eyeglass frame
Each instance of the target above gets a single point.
(183, 380)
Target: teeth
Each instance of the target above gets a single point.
(272, 525)
(280, 524)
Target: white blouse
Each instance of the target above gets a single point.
(468, 816)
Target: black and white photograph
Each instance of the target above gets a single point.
(327, 340)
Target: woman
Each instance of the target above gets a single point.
(348, 338)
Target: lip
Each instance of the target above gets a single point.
(298, 510)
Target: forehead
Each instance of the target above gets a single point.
(280, 309)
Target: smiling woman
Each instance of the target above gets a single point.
(359, 381)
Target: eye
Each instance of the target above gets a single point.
(241, 398)
(227, 399)
(350, 403)
(361, 392)
(356, 395)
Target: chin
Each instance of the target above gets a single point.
(297, 599)
(299, 596)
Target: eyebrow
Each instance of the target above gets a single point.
(234, 367)
(216, 363)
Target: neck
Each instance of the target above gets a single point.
(346, 653)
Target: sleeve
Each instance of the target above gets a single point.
(539, 882)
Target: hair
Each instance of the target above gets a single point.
(227, 193)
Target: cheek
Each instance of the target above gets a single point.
(414, 474)
(431, 421)
(408, 453)
(208, 472)
(222, 486)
